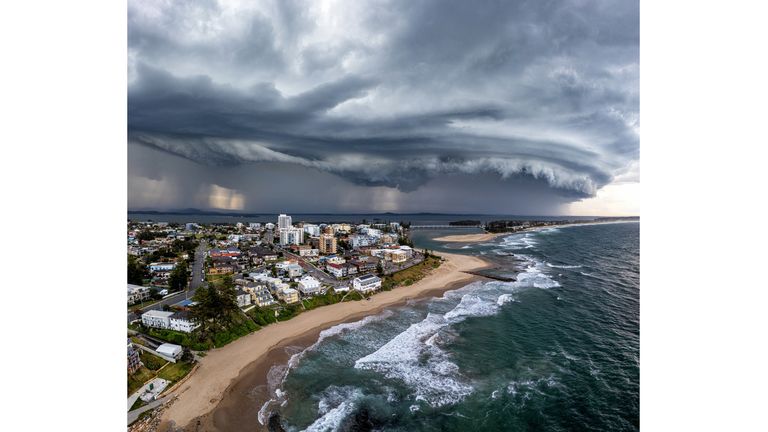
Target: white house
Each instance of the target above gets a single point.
(309, 285)
(294, 270)
(137, 293)
(161, 267)
(157, 319)
(309, 252)
(342, 288)
(182, 321)
(358, 241)
(337, 270)
(170, 350)
(243, 298)
(367, 283)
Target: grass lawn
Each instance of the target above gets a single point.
(138, 379)
(175, 371)
(151, 362)
(216, 279)
(412, 274)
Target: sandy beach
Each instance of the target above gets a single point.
(469, 238)
(220, 390)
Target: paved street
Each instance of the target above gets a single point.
(314, 271)
(197, 270)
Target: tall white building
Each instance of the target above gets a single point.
(290, 236)
(312, 230)
(284, 222)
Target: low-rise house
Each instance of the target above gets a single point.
(398, 256)
(138, 294)
(337, 270)
(341, 288)
(182, 321)
(228, 252)
(294, 270)
(288, 295)
(162, 267)
(366, 283)
(365, 264)
(262, 297)
(221, 270)
(243, 298)
(259, 254)
(335, 259)
(157, 319)
(309, 252)
(170, 350)
(308, 285)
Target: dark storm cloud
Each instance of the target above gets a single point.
(392, 93)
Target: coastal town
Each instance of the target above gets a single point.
(193, 287)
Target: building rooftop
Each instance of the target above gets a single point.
(182, 315)
(157, 314)
(368, 278)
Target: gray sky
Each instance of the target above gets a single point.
(526, 107)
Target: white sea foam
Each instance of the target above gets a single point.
(414, 358)
(505, 298)
(331, 420)
(563, 266)
(334, 406)
(264, 412)
(330, 332)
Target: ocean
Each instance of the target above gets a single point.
(556, 350)
(415, 218)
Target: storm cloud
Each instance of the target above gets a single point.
(386, 95)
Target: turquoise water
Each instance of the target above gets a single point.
(556, 350)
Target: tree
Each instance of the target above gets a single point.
(137, 271)
(215, 306)
(177, 280)
(379, 269)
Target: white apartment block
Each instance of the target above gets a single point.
(308, 285)
(312, 230)
(367, 283)
(291, 236)
(284, 222)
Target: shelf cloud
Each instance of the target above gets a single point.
(385, 95)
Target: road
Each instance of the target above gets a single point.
(314, 271)
(197, 274)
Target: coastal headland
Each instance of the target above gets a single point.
(219, 395)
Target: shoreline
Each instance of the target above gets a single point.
(483, 237)
(221, 392)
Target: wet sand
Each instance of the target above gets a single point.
(230, 385)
